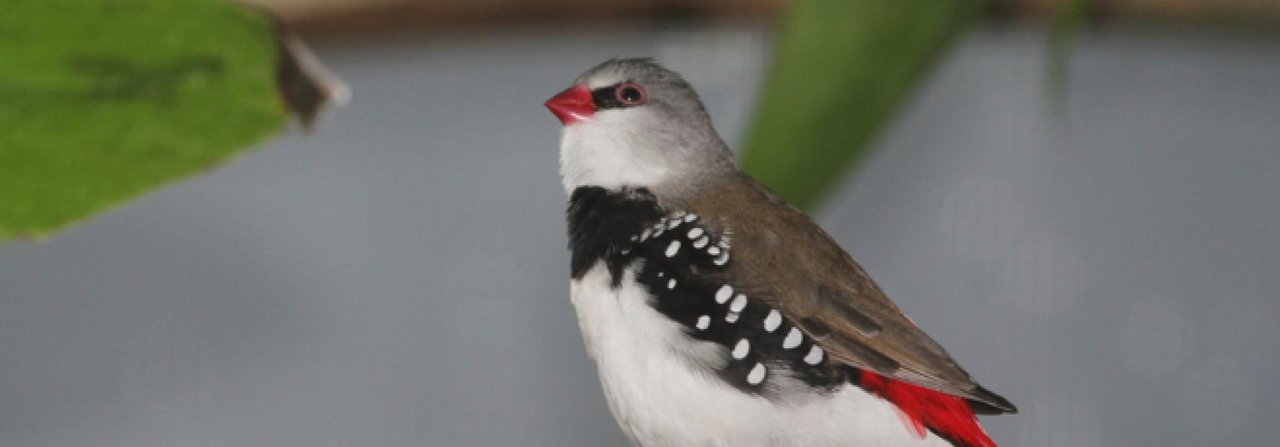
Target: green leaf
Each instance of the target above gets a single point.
(840, 70)
(102, 100)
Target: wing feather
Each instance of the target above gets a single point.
(783, 257)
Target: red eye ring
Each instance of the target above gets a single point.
(630, 93)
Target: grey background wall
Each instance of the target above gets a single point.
(399, 277)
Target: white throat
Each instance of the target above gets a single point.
(603, 153)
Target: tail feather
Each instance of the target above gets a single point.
(950, 417)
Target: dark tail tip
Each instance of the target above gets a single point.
(987, 402)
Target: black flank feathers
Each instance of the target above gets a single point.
(629, 229)
(600, 221)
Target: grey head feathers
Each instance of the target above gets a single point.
(666, 144)
(667, 89)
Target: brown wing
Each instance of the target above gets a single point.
(781, 256)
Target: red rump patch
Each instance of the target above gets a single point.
(948, 416)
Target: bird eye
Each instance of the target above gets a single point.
(630, 93)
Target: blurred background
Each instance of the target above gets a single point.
(1079, 201)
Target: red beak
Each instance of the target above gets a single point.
(572, 105)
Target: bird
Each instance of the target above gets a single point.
(716, 313)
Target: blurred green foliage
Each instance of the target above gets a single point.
(840, 70)
(1068, 18)
(102, 100)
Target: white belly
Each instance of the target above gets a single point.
(660, 389)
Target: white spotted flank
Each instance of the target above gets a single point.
(772, 321)
(741, 349)
(673, 248)
(793, 339)
(724, 293)
(722, 259)
(756, 375)
(814, 356)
